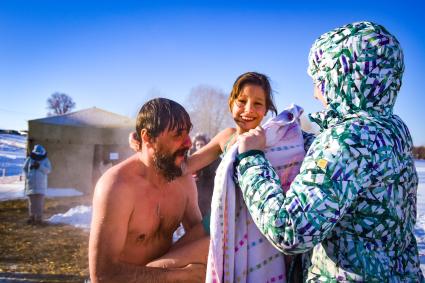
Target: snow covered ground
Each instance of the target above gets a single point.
(79, 216)
(420, 224)
(16, 191)
(12, 154)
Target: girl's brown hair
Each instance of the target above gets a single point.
(253, 78)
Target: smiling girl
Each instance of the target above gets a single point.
(249, 101)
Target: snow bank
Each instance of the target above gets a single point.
(16, 191)
(79, 216)
(420, 222)
(12, 154)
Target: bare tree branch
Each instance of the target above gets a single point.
(208, 109)
(59, 103)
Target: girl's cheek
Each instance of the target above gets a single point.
(236, 107)
(261, 110)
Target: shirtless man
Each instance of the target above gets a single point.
(139, 203)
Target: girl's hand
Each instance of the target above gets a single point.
(254, 139)
(133, 142)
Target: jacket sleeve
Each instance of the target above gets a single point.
(26, 166)
(45, 166)
(308, 140)
(330, 179)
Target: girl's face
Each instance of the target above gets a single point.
(249, 108)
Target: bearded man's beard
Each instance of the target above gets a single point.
(165, 163)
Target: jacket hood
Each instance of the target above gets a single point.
(359, 68)
(38, 153)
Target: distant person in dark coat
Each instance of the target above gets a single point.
(36, 168)
(204, 177)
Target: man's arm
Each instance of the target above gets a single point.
(192, 214)
(112, 208)
(193, 252)
(192, 218)
(192, 248)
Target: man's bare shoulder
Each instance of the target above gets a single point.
(122, 177)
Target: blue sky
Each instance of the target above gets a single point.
(116, 54)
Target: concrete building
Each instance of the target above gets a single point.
(81, 145)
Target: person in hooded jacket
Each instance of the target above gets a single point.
(36, 168)
(353, 204)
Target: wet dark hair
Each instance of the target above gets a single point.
(253, 78)
(160, 114)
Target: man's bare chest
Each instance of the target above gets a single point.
(156, 215)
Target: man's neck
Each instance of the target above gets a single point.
(150, 172)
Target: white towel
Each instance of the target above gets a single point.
(238, 251)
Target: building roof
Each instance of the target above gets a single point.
(91, 117)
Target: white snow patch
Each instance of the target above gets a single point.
(63, 192)
(16, 191)
(12, 191)
(11, 156)
(79, 216)
(420, 219)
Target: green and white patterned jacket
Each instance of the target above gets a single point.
(353, 205)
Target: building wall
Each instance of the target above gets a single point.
(79, 155)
